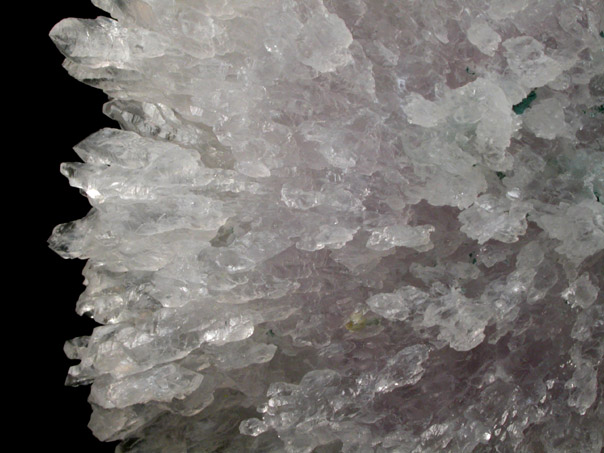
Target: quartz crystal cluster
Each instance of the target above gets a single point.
(342, 225)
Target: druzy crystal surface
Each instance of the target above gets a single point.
(342, 225)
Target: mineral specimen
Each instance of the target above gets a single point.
(342, 225)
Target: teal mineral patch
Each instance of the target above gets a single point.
(592, 112)
(525, 103)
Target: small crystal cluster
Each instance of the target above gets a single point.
(342, 225)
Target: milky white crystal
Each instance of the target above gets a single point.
(344, 225)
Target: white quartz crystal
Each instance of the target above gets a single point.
(484, 37)
(345, 225)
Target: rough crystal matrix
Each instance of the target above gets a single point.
(342, 225)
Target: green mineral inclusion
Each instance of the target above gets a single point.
(525, 103)
(592, 112)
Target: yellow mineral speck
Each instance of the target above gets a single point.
(356, 322)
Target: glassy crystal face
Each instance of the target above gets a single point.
(342, 225)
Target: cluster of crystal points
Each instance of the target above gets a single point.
(342, 225)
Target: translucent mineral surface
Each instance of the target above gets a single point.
(342, 225)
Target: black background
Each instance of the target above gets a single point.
(52, 112)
